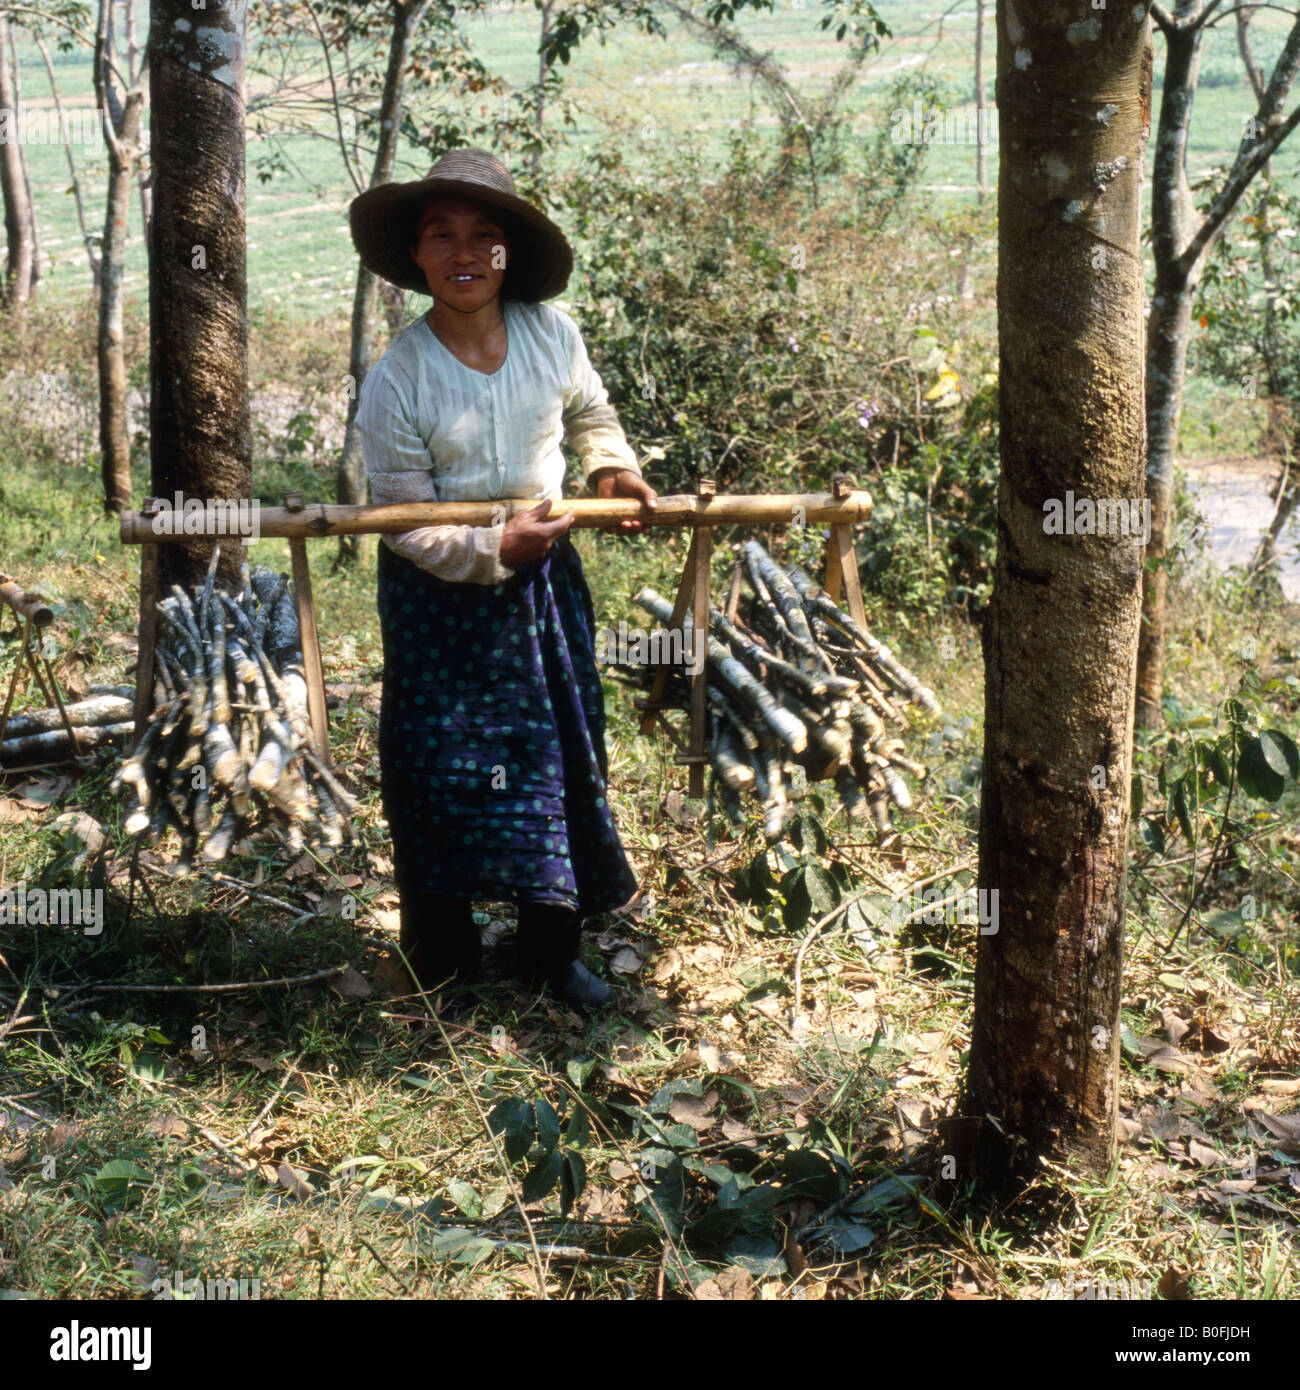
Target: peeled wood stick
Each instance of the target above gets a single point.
(100, 709)
(217, 669)
(788, 601)
(54, 743)
(722, 709)
(338, 791)
(728, 760)
(819, 601)
(732, 673)
(812, 685)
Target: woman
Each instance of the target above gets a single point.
(492, 731)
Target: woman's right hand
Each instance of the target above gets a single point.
(529, 535)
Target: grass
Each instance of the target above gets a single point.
(311, 1138)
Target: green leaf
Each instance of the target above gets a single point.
(848, 1238)
(548, 1123)
(761, 1255)
(115, 1179)
(460, 1246)
(512, 1122)
(794, 888)
(543, 1175)
(150, 1066)
(666, 1199)
(573, 1179)
(823, 891)
(1181, 811)
(1218, 764)
(1280, 753)
(579, 1070)
(1135, 797)
(467, 1201)
(1258, 779)
(578, 1129)
(1153, 835)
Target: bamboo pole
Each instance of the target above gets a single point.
(311, 662)
(697, 756)
(24, 604)
(328, 519)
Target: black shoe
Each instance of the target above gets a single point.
(576, 985)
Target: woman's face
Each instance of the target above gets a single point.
(461, 246)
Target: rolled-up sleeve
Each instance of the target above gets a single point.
(591, 425)
(397, 464)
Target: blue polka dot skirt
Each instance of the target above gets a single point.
(492, 737)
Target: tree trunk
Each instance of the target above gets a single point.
(19, 279)
(27, 172)
(539, 105)
(1061, 637)
(1169, 327)
(350, 480)
(200, 440)
(1181, 239)
(981, 172)
(72, 167)
(114, 444)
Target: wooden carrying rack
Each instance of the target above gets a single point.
(839, 509)
(36, 615)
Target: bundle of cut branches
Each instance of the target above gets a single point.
(793, 679)
(227, 750)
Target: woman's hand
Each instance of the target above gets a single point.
(529, 535)
(622, 482)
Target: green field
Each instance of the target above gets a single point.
(635, 90)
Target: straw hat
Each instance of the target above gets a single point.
(384, 221)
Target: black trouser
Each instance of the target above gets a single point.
(440, 940)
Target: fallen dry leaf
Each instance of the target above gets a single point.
(1128, 1130)
(1173, 1285)
(667, 964)
(626, 962)
(1204, 1155)
(1174, 1026)
(620, 1171)
(715, 1060)
(694, 1110)
(293, 1180)
(168, 1126)
(734, 1284)
(351, 984)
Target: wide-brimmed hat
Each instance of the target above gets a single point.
(384, 222)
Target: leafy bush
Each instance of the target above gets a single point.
(770, 343)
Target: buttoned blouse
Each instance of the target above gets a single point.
(435, 430)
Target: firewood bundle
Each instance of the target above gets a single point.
(227, 750)
(793, 679)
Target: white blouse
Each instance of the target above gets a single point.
(434, 430)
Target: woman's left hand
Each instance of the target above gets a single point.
(622, 482)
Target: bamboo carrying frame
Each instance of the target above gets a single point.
(35, 615)
(704, 511)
